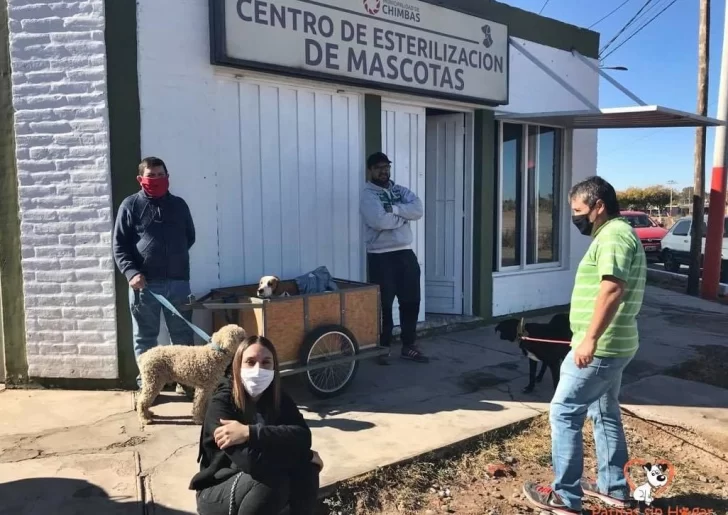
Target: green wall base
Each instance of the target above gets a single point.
(12, 303)
(125, 142)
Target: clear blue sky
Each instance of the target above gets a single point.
(662, 61)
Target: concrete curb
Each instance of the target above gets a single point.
(678, 279)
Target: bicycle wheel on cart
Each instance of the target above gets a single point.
(332, 343)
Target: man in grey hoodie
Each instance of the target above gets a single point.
(388, 210)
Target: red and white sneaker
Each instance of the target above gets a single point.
(591, 489)
(544, 497)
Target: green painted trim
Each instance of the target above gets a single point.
(372, 136)
(372, 124)
(530, 26)
(483, 213)
(12, 306)
(125, 140)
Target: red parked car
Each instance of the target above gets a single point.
(648, 231)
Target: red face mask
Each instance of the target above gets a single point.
(155, 187)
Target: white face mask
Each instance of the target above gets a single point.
(256, 380)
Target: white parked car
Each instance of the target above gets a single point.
(676, 246)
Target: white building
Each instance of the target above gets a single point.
(264, 113)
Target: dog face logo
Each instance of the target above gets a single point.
(372, 6)
(488, 39)
(659, 477)
(656, 474)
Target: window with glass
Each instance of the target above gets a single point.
(682, 228)
(640, 221)
(530, 203)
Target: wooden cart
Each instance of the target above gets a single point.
(321, 335)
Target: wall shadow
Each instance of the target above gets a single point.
(64, 496)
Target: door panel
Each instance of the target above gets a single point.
(288, 197)
(403, 140)
(444, 213)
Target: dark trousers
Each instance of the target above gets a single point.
(146, 313)
(298, 491)
(398, 275)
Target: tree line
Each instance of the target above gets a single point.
(656, 196)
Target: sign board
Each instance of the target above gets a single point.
(397, 45)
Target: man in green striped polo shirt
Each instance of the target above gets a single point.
(607, 296)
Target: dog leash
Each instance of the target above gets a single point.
(542, 340)
(167, 304)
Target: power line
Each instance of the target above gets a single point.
(544, 6)
(645, 15)
(624, 28)
(646, 12)
(608, 15)
(640, 29)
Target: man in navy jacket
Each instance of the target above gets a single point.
(152, 237)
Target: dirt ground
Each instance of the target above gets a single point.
(464, 483)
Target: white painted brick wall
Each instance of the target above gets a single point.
(58, 59)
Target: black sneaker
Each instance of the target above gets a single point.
(591, 489)
(544, 497)
(411, 352)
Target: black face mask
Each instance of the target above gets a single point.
(583, 224)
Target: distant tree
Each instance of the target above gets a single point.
(658, 196)
(686, 195)
(632, 198)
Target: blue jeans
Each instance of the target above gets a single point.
(146, 314)
(592, 391)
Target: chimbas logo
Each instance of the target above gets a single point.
(372, 6)
(393, 9)
(487, 38)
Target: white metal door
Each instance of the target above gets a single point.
(288, 188)
(444, 213)
(403, 140)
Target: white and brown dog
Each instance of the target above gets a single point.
(270, 286)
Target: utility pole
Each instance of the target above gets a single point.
(716, 211)
(671, 184)
(696, 235)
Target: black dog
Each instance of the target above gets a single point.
(549, 354)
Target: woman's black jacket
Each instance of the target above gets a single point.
(274, 448)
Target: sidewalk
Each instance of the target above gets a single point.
(390, 414)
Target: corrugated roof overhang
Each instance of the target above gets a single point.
(638, 117)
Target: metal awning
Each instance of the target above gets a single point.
(614, 118)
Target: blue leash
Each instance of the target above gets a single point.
(167, 304)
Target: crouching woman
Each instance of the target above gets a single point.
(255, 448)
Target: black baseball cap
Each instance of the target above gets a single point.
(377, 158)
